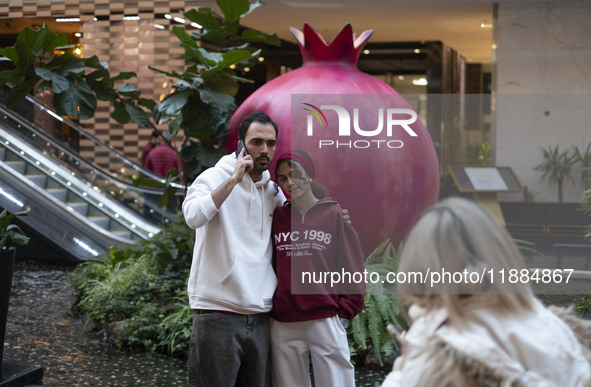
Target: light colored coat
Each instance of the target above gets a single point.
(545, 347)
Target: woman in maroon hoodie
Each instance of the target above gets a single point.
(319, 266)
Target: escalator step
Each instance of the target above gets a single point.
(123, 234)
(40, 180)
(101, 221)
(59, 193)
(80, 207)
(52, 184)
(18, 166)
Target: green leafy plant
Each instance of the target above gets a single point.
(367, 332)
(42, 60)
(586, 208)
(583, 158)
(583, 305)
(11, 233)
(202, 100)
(479, 153)
(176, 328)
(143, 284)
(525, 246)
(556, 167)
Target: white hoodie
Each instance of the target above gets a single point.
(231, 268)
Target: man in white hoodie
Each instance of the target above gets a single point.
(232, 281)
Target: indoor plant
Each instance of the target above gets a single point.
(557, 166)
(9, 232)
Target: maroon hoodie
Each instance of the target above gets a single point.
(316, 257)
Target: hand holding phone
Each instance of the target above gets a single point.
(240, 147)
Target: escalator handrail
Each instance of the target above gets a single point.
(66, 151)
(130, 216)
(98, 171)
(14, 115)
(117, 153)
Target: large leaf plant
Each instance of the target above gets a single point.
(9, 232)
(202, 100)
(368, 333)
(42, 60)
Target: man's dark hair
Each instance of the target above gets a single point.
(155, 133)
(257, 116)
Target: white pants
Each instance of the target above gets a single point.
(325, 340)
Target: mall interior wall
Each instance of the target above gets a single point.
(542, 89)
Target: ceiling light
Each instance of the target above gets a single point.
(132, 17)
(179, 20)
(196, 25)
(419, 82)
(67, 19)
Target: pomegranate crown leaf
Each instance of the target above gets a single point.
(346, 46)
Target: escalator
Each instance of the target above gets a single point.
(77, 207)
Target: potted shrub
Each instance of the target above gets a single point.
(9, 234)
(557, 166)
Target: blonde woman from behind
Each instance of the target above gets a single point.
(480, 333)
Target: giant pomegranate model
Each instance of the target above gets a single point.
(372, 153)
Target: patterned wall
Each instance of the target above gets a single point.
(127, 45)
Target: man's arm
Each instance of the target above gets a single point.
(203, 201)
(220, 194)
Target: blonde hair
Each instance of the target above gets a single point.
(461, 238)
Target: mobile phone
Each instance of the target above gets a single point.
(240, 147)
